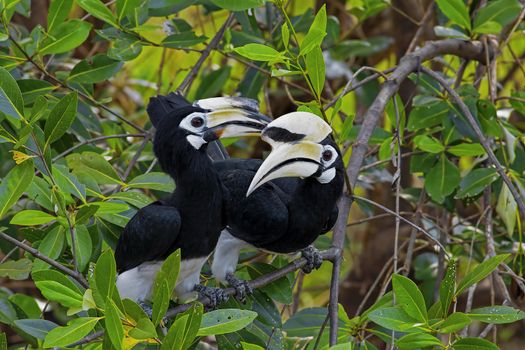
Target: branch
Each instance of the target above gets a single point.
(188, 80)
(295, 265)
(76, 275)
(472, 50)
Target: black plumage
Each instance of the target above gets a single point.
(283, 215)
(192, 218)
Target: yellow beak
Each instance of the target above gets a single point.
(234, 122)
(299, 159)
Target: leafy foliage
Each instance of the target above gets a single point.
(77, 164)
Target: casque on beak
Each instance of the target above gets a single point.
(298, 159)
(233, 122)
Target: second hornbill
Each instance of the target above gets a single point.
(283, 204)
(192, 218)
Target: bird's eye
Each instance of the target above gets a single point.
(327, 155)
(197, 122)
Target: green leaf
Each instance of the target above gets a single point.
(248, 346)
(183, 332)
(442, 179)
(137, 199)
(507, 209)
(154, 181)
(449, 32)
(454, 323)
(69, 183)
(105, 274)
(161, 299)
(467, 149)
(67, 36)
(225, 321)
(497, 314)
(175, 337)
(57, 13)
(97, 9)
(51, 246)
(16, 269)
(127, 7)
(31, 218)
(170, 269)
(417, 341)
(285, 35)
(61, 117)
(394, 318)
(182, 40)
(144, 329)
(409, 298)
(456, 11)
(113, 324)
(14, 185)
(11, 102)
(489, 27)
(476, 181)
(279, 290)
(212, 83)
(258, 52)
(316, 69)
(428, 144)
(235, 5)
(480, 272)
(60, 293)
(74, 331)
(94, 70)
(95, 165)
(84, 246)
(447, 288)
(427, 115)
(316, 33)
(31, 89)
(474, 344)
(501, 12)
(35, 327)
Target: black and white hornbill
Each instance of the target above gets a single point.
(191, 219)
(283, 204)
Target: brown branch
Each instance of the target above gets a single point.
(473, 50)
(295, 265)
(76, 275)
(188, 80)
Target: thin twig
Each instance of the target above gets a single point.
(76, 275)
(188, 80)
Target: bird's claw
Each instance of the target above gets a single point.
(148, 309)
(313, 257)
(242, 287)
(215, 295)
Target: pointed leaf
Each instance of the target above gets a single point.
(409, 297)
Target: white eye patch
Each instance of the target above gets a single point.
(194, 122)
(327, 161)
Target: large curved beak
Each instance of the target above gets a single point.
(233, 122)
(299, 159)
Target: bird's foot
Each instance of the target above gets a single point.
(148, 309)
(313, 258)
(215, 295)
(242, 287)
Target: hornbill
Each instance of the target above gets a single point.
(192, 218)
(283, 204)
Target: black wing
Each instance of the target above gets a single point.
(263, 216)
(148, 236)
(330, 222)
